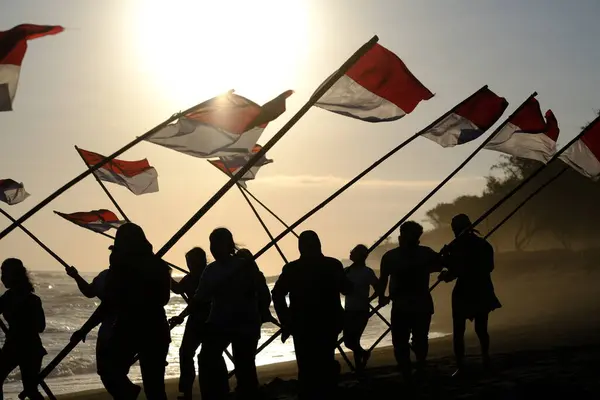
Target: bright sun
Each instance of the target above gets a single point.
(195, 48)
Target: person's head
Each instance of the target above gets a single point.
(196, 259)
(130, 238)
(410, 233)
(14, 275)
(309, 244)
(359, 254)
(461, 223)
(221, 243)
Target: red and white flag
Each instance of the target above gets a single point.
(469, 119)
(13, 45)
(231, 164)
(527, 134)
(12, 192)
(222, 126)
(584, 154)
(96, 220)
(377, 88)
(137, 176)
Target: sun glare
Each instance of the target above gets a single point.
(196, 48)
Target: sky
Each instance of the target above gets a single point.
(123, 66)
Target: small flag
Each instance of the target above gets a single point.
(584, 154)
(222, 126)
(137, 176)
(12, 192)
(527, 134)
(231, 164)
(96, 220)
(13, 45)
(377, 88)
(468, 120)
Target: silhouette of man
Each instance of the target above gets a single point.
(470, 260)
(315, 315)
(90, 290)
(195, 326)
(234, 287)
(407, 268)
(26, 320)
(356, 310)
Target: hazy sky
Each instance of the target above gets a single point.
(123, 66)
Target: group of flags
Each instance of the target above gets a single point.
(378, 87)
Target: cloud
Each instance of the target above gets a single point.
(337, 181)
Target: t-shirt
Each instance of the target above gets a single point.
(362, 278)
(409, 269)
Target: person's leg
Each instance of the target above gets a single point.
(459, 324)
(307, 360)
(187, 358)
(400, 335)
(481, 329)
(363, 318)
(118, 357)
(244, 356)
(153, 357)
(352, 325)
(30, 369)
(7, 365)
(212, 370)
(420, 337)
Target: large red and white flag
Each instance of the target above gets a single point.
(377, 88)
(96, 220)
(469, 119)
(230, 165)
(527, 134)
(13, 45)
(584, 154)
(12, 192)
(222, 126)
(137, 176)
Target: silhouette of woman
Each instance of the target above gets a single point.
(137, 290)
(25, 316)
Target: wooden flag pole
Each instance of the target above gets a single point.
(103, 186)
(35, 239)
(270, 211)
(43, 384)
(532, 195)
(257, 156)
(451, 175)
(358, 177)
(93, 168)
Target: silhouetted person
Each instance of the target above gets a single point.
(408, 267)
(90, 290)
(356, 310)
(264, 295)
(470, 260)
(195, 326)
(315, 315)
(137, 289)
(23, 311)
(234, 287)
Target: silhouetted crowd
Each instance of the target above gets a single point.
(228, 301)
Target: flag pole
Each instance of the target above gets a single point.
(93, 168)
(358, 177)
(257, 156)
(43, 384)
(262, 223)
(532, 195)
(270, 211)
(451, 175)
(35, 239)
(103, 186)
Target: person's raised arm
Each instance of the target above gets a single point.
(85, 288)
(178, 287)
